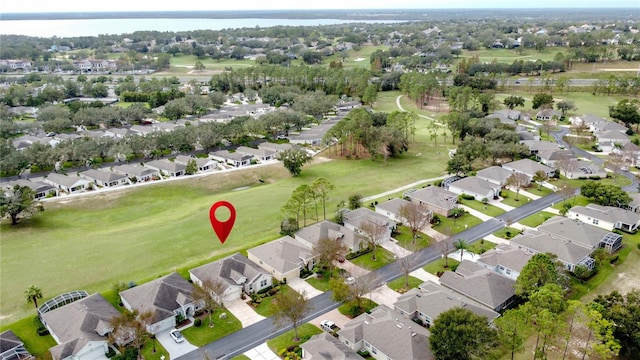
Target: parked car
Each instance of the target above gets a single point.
(350, 280)
(329, 326)
(176, 335)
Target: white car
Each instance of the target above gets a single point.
(176, 335)
(329, 326)
(350, 280)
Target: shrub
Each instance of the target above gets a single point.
(467, 197)
(265, 290)
(197, 322)
(111, 353)
(354, 255)
(438, 183)
(435, 220)
(594, 177)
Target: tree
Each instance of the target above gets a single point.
(626, 111)
(544, 309)
(517, 181)
(329, 251)
(512, 326)
(131, 327)
(539, 177)
(459, 334)
(624, 312)
(416, 217)
(353, 293)
(513, 101)
(321, 187)
(406, 265)
(566, 105)
(461, 245)
(605, 194)
(374, 233)
(539, 270)
(542, 100)
(290, 306)
(19, 200)
(209, 293)
(294, 159)
(355, 201)
(32, 294)
(192, 167)
(444, 245)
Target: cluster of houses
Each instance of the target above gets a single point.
(55, 184)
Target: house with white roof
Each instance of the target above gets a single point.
(606, 217)
(283, 258)
(105, 178)
(494, 174)
(164, 166)
(528, 167)
(67, 183)
(506, 260)
(476, 187)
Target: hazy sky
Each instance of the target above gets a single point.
(163, 5)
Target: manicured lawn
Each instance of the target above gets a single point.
(536, 219)
(509, 198)
(542, 191)
(577, 200)
(481, 246)
(399, 284)
(264, 308)
(305, 331)
(241, 357)
(200, 336)
(438, 266)
(405, 239)
(148, 353)
(507, 233)
(350, 309)
(321, 281)
(449, 226)
(383, 257)
(618, 181)
(485, 209)
(26, 331)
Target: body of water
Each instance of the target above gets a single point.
(95, 27)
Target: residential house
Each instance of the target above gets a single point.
(506, 114)
(67, 183)
(551, 157)
(571, 241)
(436, 199)
(548, 114)
(480, 284)
(348, 105)
(506, 259)
(430, 300)
(476, 187)
(586, 120)
(41, 189)
(612, 139)
(236, 274)
(528, 167)
(606, 217)
(139, 173)
(386, 335)
(143, 130)
(494, 174)
(634, 205)
(277, 147)
(234, 159)
(24, 141)
(81, 328)
(12, 348)
(260, 154)
(310, 235)
(325, 346)
(119, 133)
(105, 178)
(392, 209)
(603, 127)
(165, 298)
(368, 223)
(630, 154)
(203, 164)
(584, 169)
(536, 146)
(283, 258)
(164, 166)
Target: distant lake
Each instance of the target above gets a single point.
(95, 27)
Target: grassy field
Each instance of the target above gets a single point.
(383, 257)
(450, 226)
(138, 234)
(586, 102)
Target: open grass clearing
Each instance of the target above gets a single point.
(487, 209)
(438, 266)
(202, 335)
(536, 219)
(305, 332)
(400, 286)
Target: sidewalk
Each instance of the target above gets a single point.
(394, 248)
(424, 276)
(352, 269)
(476, 213)
(243, 312)
(261, 352)
(405, 187)
(300, 285)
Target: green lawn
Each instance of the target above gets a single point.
(577, 200)
(264, 308)
(510, 55)
(481, 246)
(509, 198)
(536, 219)
(305, 331)
(350, 309)
(450, 226)
(383, 257)
(405, 239)
(485, 209)
(26, 331)
(188, 61)
(507, 233)
(148, 352)
(542, 191)
(200, 336)
(399, 284)
(241, 357)
(438, 266)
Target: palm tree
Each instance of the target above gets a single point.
(461, 245)
(32, 294)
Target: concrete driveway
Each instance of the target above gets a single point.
(333, 315)
(384, 295)
(243, 312)
(352, 269)
(175, 349)
(300, 285)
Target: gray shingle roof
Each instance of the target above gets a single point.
(326, 347)
(134, 170)
(538, 145)
(575, 231)
(527, 166)
(607, 213)
(393, 206)
(474, 185)
(78, 323)
(159, 296)
(166, 165)
(283, 254)
(255, 152)
(506, 255)
(433, 299)
(390, 333)
(547, 243)
(480, 284)
(494, 173)
(36, 186)
(435, 196)
(228, 270)
(361, 215)
(327, 229)
(103, 176)
(65, 180)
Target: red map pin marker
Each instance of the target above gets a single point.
(222, 228)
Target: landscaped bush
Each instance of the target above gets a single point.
(467, 197)
(197, 322)
(435, 220)
(354, 255)
(111, 353)
(130, 353)
(594, 177)
(264, 290)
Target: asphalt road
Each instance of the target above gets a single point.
(258, 333)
